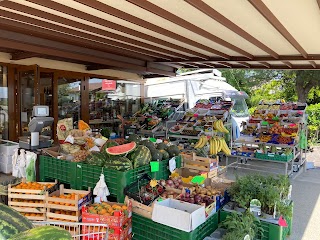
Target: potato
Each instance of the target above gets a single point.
(209, 193)
(204, 192)
(208, 187)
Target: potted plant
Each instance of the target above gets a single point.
(240, 226)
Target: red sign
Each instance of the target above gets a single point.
(109, 85)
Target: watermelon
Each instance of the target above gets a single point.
(165, 154)
(134, 138)
(118, 163)
(156, 155)
(96, 159)
(12, 222)
(121, 149)
(43, 232)
(141, 156)
(162, 146)
(148, 144)
(109, 143)
(173, 151)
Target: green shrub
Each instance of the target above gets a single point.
(313, 112)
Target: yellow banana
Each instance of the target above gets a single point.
(216, 125)
(225, 147)
(219, 144)
(198, 143)
(204, 141)
(222, 127)
(211, 146)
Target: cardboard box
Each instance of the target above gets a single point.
(201, 163)
(180, 215)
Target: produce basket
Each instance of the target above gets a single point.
(52, 168)
(146, 229)
(164, 171)
(119, 219)
(29, 199)
(142, 192)
(274, 157)
(92, 231)
(65, 204)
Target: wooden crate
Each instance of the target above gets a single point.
(66, 209)
(30, 203)
(201, 163)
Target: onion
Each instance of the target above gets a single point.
(191, 200)
(177, 184)
(180, 187)
(170, 182)
(163, 183)
(197, 198)
(187, 195)
(179, 180)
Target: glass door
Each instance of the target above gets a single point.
(69, 98)
(28, 96)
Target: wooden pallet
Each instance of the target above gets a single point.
(64, 209)
(30, 203)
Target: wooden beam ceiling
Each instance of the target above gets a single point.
(23, 55)
(100, 21)
(140, 22)
(206, 9)
(273, 20)
(95, 30)
(185, 24)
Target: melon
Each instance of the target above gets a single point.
(165, 154)
(96, 159)
(118, 163)
(121, 149)
(148, 144)
(156, 155)
(42, 233)
(109, 143)
(140, 157)
(134, 138)
(162, 146)
(12, 222)
(173, 151)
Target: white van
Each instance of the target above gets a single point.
(200, 84)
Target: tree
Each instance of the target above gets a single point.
(249, 80)
(304, 80)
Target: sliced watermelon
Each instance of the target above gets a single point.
(121, 149)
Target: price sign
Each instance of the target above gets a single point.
(109, 85)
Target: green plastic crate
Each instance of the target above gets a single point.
(146, 229)
(271, 231)
(275, 157)
(62, 170)
(88, 176)
(164, 172)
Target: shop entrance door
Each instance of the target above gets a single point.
(27, 96)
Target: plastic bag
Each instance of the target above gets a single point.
(31, 159)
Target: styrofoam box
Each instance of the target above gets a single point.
(5, 159)
(180, 215)
(6, 168)
(8, 148)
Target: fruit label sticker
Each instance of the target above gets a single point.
(255, 206)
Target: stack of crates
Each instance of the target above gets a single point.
(6, 153)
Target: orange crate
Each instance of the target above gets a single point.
(65, 204)
(114, 233)
(201, 163)
(118, 219)
(30, 201)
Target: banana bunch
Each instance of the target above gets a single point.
(218, 125)
(218, 144)
(283, 134)
(202, 142)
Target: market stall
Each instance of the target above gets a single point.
(275, 133)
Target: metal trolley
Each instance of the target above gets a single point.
(93, 231)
